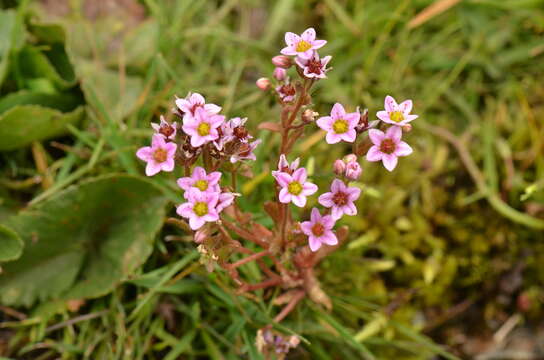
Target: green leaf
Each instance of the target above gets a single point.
(64, 102)
(9, 29)
(34, 64)
(84, 240)
(24, 124)
(11, 244)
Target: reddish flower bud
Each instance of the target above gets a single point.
(263, 83)
(407, 128)
(282, 61)
(309, 115)
(339, 167)
(280, 73)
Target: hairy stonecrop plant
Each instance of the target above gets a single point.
(207, 146)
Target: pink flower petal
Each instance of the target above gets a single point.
(144, 153)
(185, 210)
(212, 108)
(214, 177)
(408, 118)
(315, 216)
(152, 168)
(326, 199)
(389, 161)
(199, 173)
(332, 138)
(353, 193)
(306, 227)
(157, 141)
(185, 183)
(168, 165)
(349, 136)
(338, 111)
(394, 133)
(288, 51)
(314, 243)
(328, 222)
(196, 98)
(403, 149)
(337, 185)
(376, 136)
(291, 38)
(309, 189)
(284, 196)
(329, 238)
(336, 212)
(283, 179)
(325, 123)
(318, 44)
(196, 222)
(171, 149)
(352, 118)
(383, 115)
(406, 107)
(350, 209)
(374, 154)
(308, 35)
(300, 175)
(299, 200)
(390, 104)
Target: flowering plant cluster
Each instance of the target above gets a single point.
(206, 146)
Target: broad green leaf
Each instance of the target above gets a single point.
(64, 102)
(84, 240)
(11, 244)
(11, 34)
(35, 64)
(24, 124)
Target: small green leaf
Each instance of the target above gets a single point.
(11, 244)
(21, 125)
(84, 240)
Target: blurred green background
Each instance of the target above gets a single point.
(446, 250)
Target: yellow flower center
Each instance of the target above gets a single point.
(303, 46)
(160, 155)
(202, 185)
(396, 116)
(340, 126)
(203, 129)
(294, 188)
(200, 208)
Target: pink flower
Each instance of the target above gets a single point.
(225, 200)
(200, 208)
(159, 156)
(202, 128)
(284, 166)
(165, 129)
(340, 199)
(339, 167)
(353, 170)
(314, 67)
(303, 45)
(396, 114)
(280, 73)
(246, 152)
(195, 101)
(201, 181)
(294, 187)
(319, 230)
(263, 83)
(387, 147)
(340, 125)
(286, 92)
(230, 130)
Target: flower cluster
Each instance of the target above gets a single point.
(205, 144)
(202, 128)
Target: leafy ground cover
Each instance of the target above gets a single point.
(447, 251)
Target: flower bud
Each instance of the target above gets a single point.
(309, 115)
(353, 170)
(350, 158)
(282, 61)
(339, 167)
(280, 73)
(407, 128)
(263, 83)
